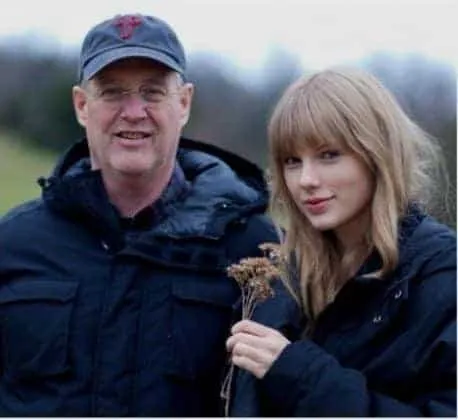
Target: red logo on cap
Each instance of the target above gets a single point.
(127, 24)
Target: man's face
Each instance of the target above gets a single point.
(133, 112)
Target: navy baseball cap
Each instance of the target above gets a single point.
(129, 36)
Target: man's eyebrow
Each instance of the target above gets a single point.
(104, 80)
(156, 80)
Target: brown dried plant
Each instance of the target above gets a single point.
(254, 276)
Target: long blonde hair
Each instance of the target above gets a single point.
(351, 108)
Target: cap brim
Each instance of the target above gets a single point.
(109, 57)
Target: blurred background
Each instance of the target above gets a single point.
(241, 53)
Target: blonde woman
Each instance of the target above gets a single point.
(367, 323)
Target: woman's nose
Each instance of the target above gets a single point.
(309, 175)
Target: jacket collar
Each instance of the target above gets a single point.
(224, 186)
(407, 245)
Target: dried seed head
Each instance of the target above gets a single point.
(254, 275)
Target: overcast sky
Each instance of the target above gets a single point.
(320, 33)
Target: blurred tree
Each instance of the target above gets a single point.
(36, 97)
(281, 68)
(219, 100)
(426, 89)
(231, 108)
(52, 121)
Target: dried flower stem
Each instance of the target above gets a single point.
(253, 275)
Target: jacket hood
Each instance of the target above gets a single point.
(224, 187)
(247, 171)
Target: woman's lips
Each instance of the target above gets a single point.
(317, 205)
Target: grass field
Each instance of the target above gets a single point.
(20, 166)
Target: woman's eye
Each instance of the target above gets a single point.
(291, 161)
(329, 154)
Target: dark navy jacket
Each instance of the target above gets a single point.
(382, 348)
(94, 324)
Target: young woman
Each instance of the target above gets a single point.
(366, 325)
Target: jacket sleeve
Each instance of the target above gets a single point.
(307, 381)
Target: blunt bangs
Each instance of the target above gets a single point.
(305, 118)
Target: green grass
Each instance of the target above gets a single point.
(20, 166)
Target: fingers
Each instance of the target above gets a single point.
(255, 347)
(258, 369)
(251, 327)
(256, 335)
(256, 354)
(255, 360)
(245, 339)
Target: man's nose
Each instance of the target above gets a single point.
(133, 106)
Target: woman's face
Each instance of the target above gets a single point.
(332, 188)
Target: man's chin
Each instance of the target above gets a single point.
(132, 168)
(134, 172)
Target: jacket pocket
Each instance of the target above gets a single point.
(201, 318)
(34, 322)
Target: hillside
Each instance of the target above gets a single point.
(20, 166)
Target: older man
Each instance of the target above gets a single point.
(114, 299)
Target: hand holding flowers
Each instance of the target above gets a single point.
(253, 346)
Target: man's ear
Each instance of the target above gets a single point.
(185, 102)
(79, 96)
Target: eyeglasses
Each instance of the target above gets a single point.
(150, 94)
